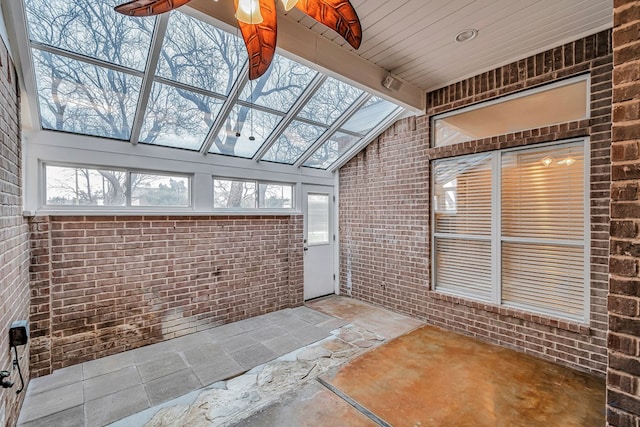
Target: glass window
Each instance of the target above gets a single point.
(74, 186)
(331, 150)
(529, 110)
(245, 194)
(248, 122)
(178, 118)
(374, 111)
(82, 98)
(229, 193)
(89, 186)
(200, 55)
(280, 86)
(293, 142)
(276, 196)
(91, 28)
(159, 190)
(317, 219)
(541, 248)
(330, 101)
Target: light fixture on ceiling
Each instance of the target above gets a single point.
(258, 24)
(466, 35)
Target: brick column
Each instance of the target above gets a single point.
(623, 374)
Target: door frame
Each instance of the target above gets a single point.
(333, 238)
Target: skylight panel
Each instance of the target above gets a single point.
(331, 150)
(178, 118)
(281, 86)
(374, 111)
(91, 28)
(82, 98)
(200, 55)
(293, 142)
(247, 122)
(330, 101)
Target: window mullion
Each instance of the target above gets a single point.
(496, 230)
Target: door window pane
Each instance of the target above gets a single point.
(317, 219)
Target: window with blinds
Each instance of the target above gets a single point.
(510, 227)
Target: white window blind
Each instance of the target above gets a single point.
(509, 228)
(543, 229)
(462, 203)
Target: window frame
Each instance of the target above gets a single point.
(497, 238)
(128, 207)
(257, 207)
(521, 94)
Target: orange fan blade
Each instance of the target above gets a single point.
(260, 39)
(149, 7)
(339, 15)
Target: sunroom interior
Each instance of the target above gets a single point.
(457, 174)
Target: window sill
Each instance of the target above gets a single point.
(541, 319)
(150, 212)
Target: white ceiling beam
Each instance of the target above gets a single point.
(315, 50)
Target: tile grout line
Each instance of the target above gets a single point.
(364, 411)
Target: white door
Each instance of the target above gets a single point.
(318, 241)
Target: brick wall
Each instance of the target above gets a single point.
(103, 285)
(623, 375)
(14, 237)
(384, 210)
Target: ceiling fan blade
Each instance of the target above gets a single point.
(260, 39)
(339, 15)
(149, 7)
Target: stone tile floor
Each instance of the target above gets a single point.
(102, 391)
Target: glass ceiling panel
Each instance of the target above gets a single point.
(247, 122)
(293, 142)
(78, 97)
(91, 28)
(201, 55)
(178, 118)
(330, 101)
(331, 150)
(280, 87)
(374, 111)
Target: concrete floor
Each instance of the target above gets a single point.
(376, 368)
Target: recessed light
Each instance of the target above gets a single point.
(466, 35)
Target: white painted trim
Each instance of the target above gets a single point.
(496, 237)
(336, 232)
(520, 94)
(147, 80)
(333, 128)
(373, 134)
(307, 47)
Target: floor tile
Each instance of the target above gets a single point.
(253, 356)
(309, 334)
(72, 417)
(222, 368)
(165, 364)
(224, 332)
(293, 323)
(52, 401)
(172, 386)
(192, 340)
(283, 344)
(266, 333)
(112, 407)
(151, 352)
(233, 344)
(203, 354)
(310, 315)
(250, 324)
(107, 364)
(59, 378)
(110, 383)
